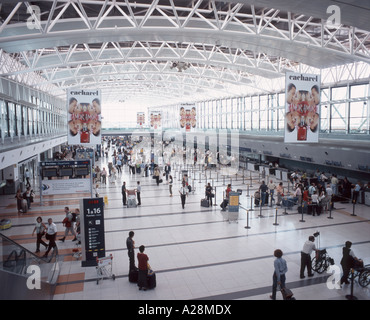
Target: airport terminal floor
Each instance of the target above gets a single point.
(196, 252)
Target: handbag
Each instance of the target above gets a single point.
(287, 293)
(150, 270)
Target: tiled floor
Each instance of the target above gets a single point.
(195, 252)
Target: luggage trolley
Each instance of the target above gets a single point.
(104, 268)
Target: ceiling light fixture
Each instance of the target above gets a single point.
(180, 66)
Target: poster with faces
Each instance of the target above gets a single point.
(188, 117)
(140, 119)
(84, 116)
(155, 120)
(302, 101)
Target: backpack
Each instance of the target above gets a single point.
(74, 217)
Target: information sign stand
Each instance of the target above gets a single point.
(92, 231)
(233, 206)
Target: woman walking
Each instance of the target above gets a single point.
(280, 269)
(40, 229)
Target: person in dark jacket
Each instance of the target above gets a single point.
(209, 193)
(263, 189)
(349, 261)
(124, 198)
(130, 243)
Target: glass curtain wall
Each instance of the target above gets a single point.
(343, 109)
(18, 120)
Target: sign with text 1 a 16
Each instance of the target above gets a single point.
(92, 231)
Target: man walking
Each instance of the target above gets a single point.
(167, 170)
(183, 193)
(271, 186)
(51, 234)
(68, 224)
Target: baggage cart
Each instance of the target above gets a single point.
(104, 268)
(233, 216)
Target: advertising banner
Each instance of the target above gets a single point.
(155, 120)
(84, 116)
(188, 117)
(302, 96)
(65, 186)
(140, 119)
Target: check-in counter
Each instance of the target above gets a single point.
(281, 174)
(252, 166)
(367, 196)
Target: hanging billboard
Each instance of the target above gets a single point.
(188, 117)
(155, 120)
(140, 120)
(84, 116)
(302, 100)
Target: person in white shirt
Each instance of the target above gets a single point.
(311, 189)
(330, 194)
(183, 193)
(334, 184)
(27, 176)
(315, 203)
(272, 188)
(298, 194)
(307, 249)
(51, 233)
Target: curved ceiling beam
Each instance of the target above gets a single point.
(235, 60)
(352, 13)
(168, 86)
(299, 38)
(240, 37)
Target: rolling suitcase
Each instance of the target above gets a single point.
(204, 203)
(152, 281)
(133, 276)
